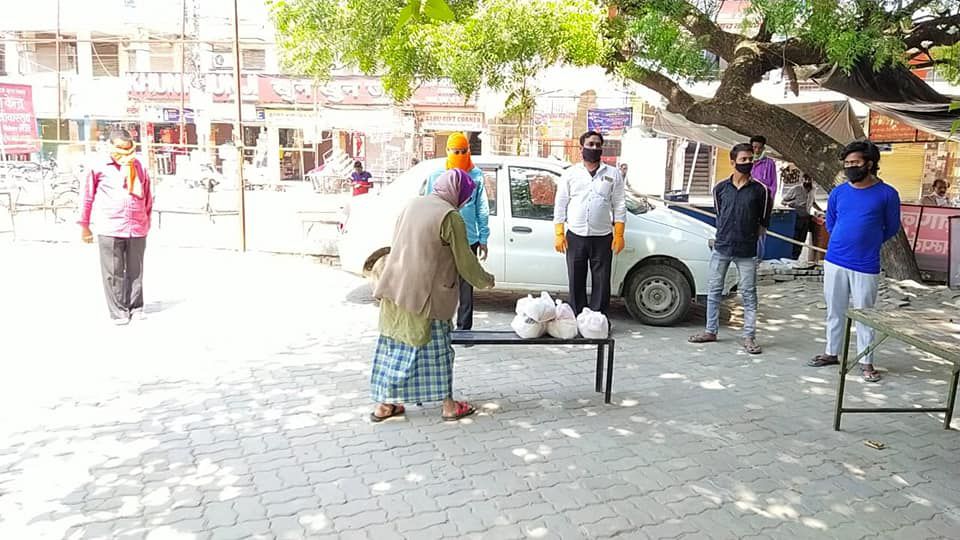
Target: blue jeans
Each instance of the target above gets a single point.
(747, 267)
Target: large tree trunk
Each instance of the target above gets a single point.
(897, 258)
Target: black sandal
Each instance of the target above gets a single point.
(822, 360)
(395, 410)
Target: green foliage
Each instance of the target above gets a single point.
(499, 43)
(503, 43)
(948, 59)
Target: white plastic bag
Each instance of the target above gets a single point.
(593, 325)
(527, 328)
(564, 324)
(541, 309)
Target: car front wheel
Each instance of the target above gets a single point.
(658, 295)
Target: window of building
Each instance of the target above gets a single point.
(253, 59)
(106, 59)
(163, 57)
(44, 56)
(3, 60)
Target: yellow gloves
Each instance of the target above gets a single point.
(560, 239)
(618, 242)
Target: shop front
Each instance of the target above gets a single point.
(435, 126)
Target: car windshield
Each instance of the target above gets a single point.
(638, 204)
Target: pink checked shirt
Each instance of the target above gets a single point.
(115, 211)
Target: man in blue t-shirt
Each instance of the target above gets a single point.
(862, 214)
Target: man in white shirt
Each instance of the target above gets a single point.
(591, 205)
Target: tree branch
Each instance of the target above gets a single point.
(678, 99)
(715, 39)
(764, 34)
(910, 9)
(934, 31)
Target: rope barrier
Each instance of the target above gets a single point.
(693, 208)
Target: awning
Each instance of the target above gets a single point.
(835, 118)
(895, 91)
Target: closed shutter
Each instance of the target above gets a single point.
(253, 59)
(902, 168)
(106, 60)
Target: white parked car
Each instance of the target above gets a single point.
(664, 267)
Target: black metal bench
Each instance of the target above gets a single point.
(489, 337)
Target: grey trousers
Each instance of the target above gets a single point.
(121, 263)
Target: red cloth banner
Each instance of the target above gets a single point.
(928, 230)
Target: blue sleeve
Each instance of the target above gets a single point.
(832, 209)
(430, 181)
(891, 222)
(483, 208)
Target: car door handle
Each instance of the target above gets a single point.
(522, 230)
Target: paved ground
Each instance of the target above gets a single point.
(238, 410)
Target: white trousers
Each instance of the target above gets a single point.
(841, 288)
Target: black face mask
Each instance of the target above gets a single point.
(855, 174)
(591, 155)
(743, 168)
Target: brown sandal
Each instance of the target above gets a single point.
(395, 410)
(750, 345)
(702, 337)
(822, 360)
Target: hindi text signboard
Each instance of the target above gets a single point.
(18, 123)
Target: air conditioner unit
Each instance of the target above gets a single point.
(221, 61)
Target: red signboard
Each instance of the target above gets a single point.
(18, 124)
(928, 230)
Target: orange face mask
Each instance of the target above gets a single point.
(458, 153)
(460, 161)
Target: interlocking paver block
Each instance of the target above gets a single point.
(421, 521)
(220, 514)
(271, 421)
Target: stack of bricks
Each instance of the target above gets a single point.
(771, 273)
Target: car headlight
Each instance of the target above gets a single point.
(711, 242)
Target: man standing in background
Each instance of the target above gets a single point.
(802, 198)
(765, 172)
(938, 197)
(475, 213)
(360, 179)
(119, 189)
(591, 204)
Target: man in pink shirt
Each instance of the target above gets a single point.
(119, 196)
(765, 172)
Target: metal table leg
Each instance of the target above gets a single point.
(951, 401)
(843, 374)
(606, 397)
(599, 368)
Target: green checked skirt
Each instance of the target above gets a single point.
(403, 373)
